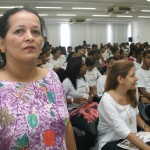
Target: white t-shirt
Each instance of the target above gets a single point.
(92, 76)
(48, 66)
(114, 120)
(55, 63)
(137, 65)
(81, 91)
(143, 78)
(100, 85)
(105, 55)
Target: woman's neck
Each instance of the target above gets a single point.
(120, 95)
(21, 73)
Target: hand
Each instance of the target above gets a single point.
(82, 101)
(146, 128)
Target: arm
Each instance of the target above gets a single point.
(143, 92)
(70, 140)
(141, 124)
(137, 142)
(144, 100)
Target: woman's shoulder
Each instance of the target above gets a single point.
(107, 98)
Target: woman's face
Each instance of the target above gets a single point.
(23, 40)
(117, 53)
(57, 54)
(130, 80)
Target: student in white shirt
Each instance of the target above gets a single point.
(55, 63)
(100, 84)
(92, 74)
(139, 56)
(118, 109)
(143, 75)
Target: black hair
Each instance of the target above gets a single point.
(121, 51)
(89, 61)
(145, 53)
(73, 69)
(138, 51)
(4, 25)
(114, 49)
(92, 52)
(133, 49)
(112, 58)
(61, 74)
(55, 50)
(78, 48)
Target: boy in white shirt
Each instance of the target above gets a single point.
(143, 75)
(101, 81)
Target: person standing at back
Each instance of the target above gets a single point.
(33, 114)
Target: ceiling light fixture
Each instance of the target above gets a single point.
(100, 15)
(43, 14)
(48, 7)
(144, 16)
(146, 10)
(66, 15)
(9, 7)
(83, 8)
(124, 16)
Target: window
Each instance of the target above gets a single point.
(65, 35)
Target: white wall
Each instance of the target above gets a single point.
(141, 31)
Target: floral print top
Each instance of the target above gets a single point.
(33, 116)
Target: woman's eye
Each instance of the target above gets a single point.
(36, 32)
(19, 31)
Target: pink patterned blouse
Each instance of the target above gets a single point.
(33, 116)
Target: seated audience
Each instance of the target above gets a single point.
(118, 109)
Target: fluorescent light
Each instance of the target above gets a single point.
(100, 15)
(124, 16)
(83, 8)
(9, 7)
(66, 14)
(144, 16)
(1, 14)
(146, 10)
(148, 0)
(49, 7)
(43, 14)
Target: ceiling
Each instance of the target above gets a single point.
(67, 5)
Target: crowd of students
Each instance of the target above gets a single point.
(88, 71)
(35, 104)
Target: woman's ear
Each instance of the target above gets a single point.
(119, 78)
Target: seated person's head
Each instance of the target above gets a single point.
(110, 61)
(90, 62)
